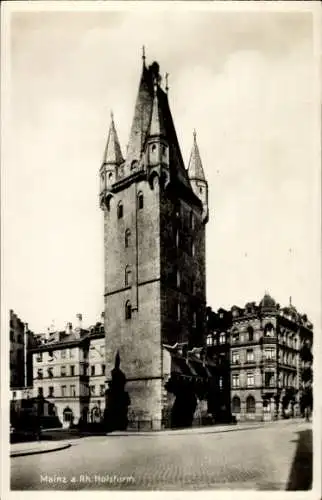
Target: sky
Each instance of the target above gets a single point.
(244, 80)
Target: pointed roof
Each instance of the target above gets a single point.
(195, 169)
(113, 153)
(157, 127)
(152, 116)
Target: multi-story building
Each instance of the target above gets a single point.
(21, 339)
(266, 343)
(69, 372)
(155, 214)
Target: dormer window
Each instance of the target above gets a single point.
(200, 190)
(110, 176)
(153, 147)
(120, 210)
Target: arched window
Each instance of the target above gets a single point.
(120, 210)
(67, 414)
(96, 414)
(127, 238)
(128, 310)
(210, 340)
(269, 330)
(128, 276)
(134, 164)
(235, 405)
(250, 330)
(140, 201)
(153, 147)
(222, 338)
(110, 176)
(250, 404)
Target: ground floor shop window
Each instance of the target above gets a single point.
(235, 404)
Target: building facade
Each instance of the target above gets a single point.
(155, 213)
(21, 339)
(69, 372)
(270, 360)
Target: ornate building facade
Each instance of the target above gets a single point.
(270, 359)
(155, 214)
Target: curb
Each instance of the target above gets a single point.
(175, 433)
(36, 452)
(260, 425)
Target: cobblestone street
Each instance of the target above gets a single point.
(266, 457)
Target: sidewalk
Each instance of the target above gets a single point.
(34, 447)
(212, 429)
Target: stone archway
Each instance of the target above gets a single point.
(68, 417)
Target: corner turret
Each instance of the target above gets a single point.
(197, 177)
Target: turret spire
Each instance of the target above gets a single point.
(113, 153)
(157, 120)
(195, 168)
(143, 55)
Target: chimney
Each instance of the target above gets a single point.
(79, 317)
(69, 328)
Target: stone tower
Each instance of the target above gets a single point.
(154, 240)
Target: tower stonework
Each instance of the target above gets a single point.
(154, 250)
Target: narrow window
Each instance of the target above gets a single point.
(178, 279)
(72, 370)
(120, 210)
(177, 239)
(194, 319)
(128, 310)
(127, 238)
(140, 201)
(178, 311)
(193, 249)
(192, 221)
(128, 276)
(93, 370)
(209, 340)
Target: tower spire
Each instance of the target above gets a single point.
(143, 55)
(113, 153)
(157, 120)
(195, 168)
